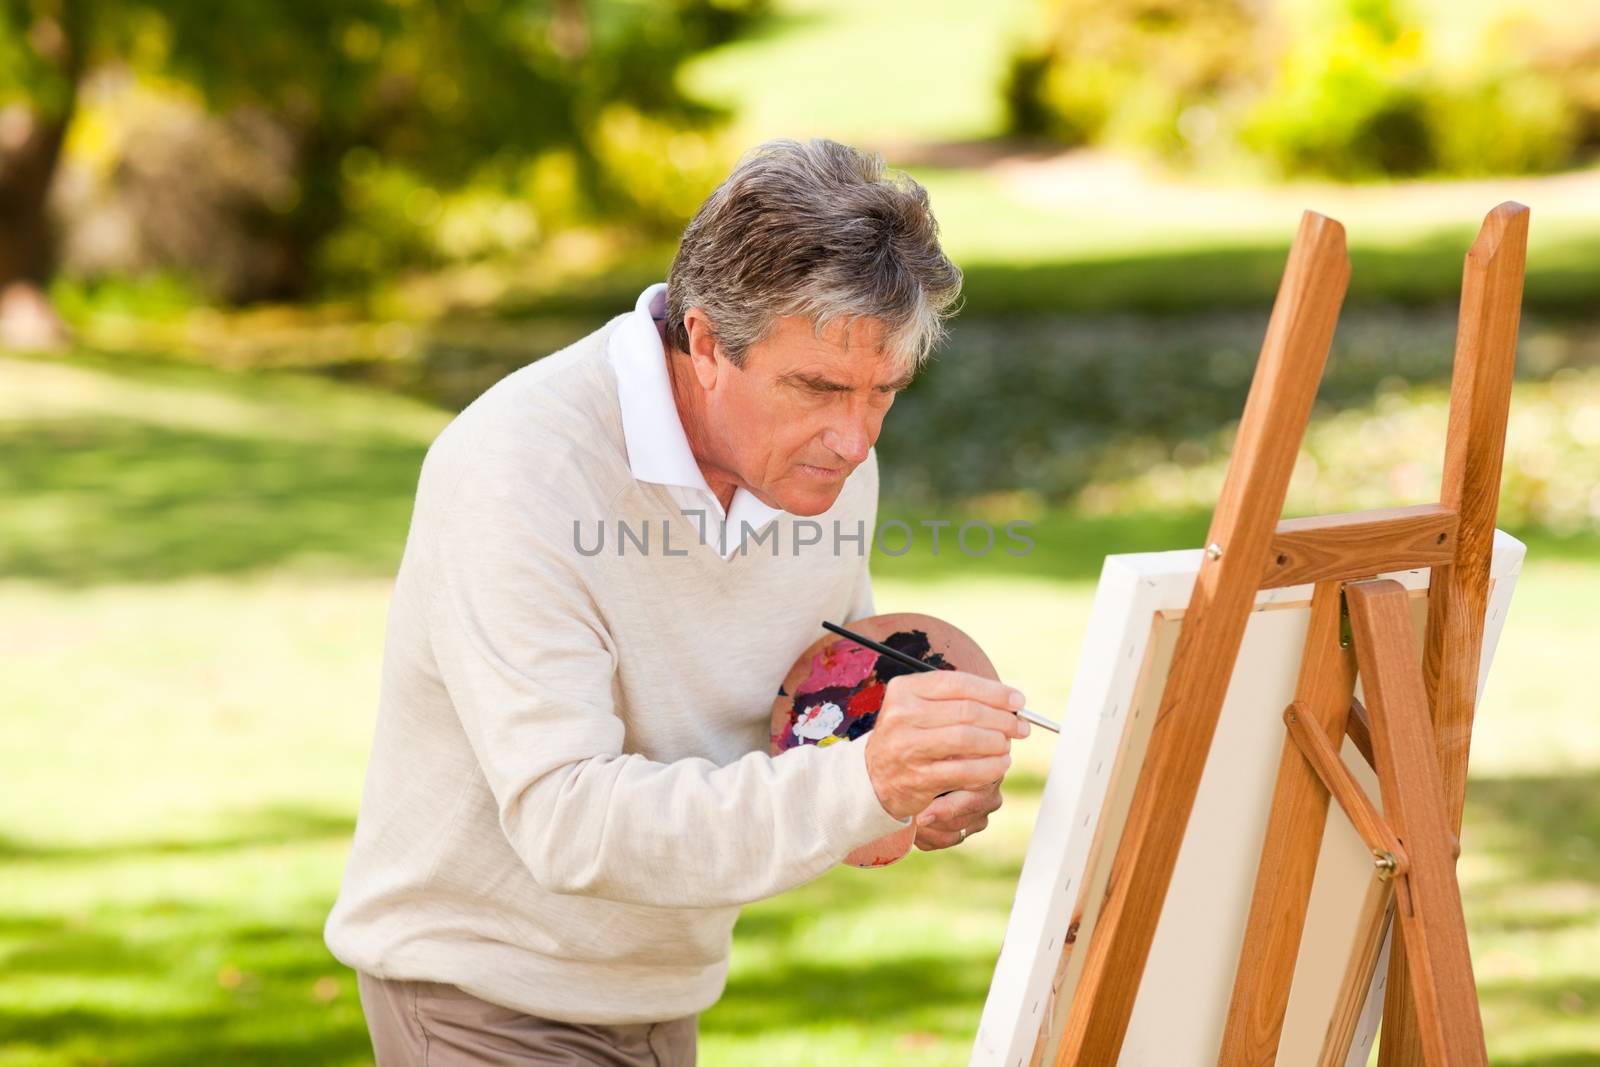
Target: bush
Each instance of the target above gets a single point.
(1350, 99)
(1127, 71)
(1350, 89)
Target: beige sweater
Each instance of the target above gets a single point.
(569, 794)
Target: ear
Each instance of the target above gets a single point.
(702, 354)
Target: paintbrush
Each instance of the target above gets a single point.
(916, 664)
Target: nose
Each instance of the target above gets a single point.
(851, 439)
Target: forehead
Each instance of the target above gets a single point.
(848, 350)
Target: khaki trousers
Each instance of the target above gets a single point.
(431, 1024)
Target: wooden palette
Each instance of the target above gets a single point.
(834, 690)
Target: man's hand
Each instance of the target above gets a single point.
(954, 817)
(939, 732)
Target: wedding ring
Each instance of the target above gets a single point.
(963, 835)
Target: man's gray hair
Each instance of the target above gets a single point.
(819, 230)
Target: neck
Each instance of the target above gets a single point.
(689, 399)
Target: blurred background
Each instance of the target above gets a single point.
(253, 257)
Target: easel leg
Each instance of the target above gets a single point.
(1401, 1044)
(1480, 397)
(1438, 962)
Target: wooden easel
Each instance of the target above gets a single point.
(1431, 1011)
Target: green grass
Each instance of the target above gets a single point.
(190, 632)
(115, 472)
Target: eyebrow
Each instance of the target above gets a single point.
(819, 384)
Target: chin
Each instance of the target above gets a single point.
(810, 501)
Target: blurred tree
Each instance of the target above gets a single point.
(1146, 73)
(441, 90)
(41, 59)
(1350, 98)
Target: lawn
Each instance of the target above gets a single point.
(199, 564)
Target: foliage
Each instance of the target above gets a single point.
(1134, 72)
(1343, 88)
(1349, 98)
(411, 131)
(1529, 101)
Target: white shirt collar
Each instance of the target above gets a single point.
(658, 449)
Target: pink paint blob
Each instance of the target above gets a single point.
(842, 663)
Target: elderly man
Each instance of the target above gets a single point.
(570, 793)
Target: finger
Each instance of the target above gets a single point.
(962, 742)
(934, 713)
(933, 837)
(970, 820)
(960, 805)
(960, 685)
(966, 773)
(953, 805)
(929, 840)
(953, 824)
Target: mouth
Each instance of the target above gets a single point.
(819, 472)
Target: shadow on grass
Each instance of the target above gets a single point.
(113, 991)
(276, 825)
(1544, 828)
(94, 500)
(241, 979)
(941, 994)
(1562, 278)
(174, 981)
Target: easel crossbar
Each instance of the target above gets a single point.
(1358, 544)
(1342, 785)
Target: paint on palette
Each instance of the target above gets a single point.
(841, 696)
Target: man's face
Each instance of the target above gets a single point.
(800, 415)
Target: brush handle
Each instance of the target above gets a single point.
(1038, 720)
(917, 665)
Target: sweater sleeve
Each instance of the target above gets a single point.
(528, 665)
